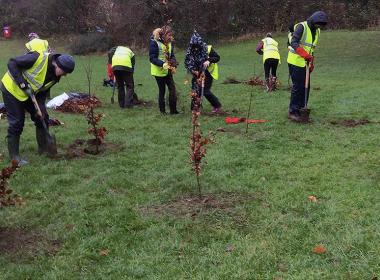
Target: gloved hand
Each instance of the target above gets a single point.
(206, 64)
(28, 91)
(165, 66)
(195, 73)
(308, 57)
(311, 67)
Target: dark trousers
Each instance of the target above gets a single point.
(297, 97)
(270, 67)
(214, 101)
(162, 82)
(16, 112)
(124, 79)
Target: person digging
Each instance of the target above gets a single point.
(268, 48)
(24, 88)
(202, 59)
(122, 60)
(301, 53)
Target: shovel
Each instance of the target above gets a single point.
(113, 92)
(305, 112)
(51, 144)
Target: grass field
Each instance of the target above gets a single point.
(93, 210)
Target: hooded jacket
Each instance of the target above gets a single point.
(316, 18)
(196, 54)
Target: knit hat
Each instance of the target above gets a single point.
(66, 63)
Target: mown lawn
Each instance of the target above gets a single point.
(95, 208)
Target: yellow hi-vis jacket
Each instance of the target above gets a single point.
(122, 57)
(37, 45)
(213, 68)
(163, 50)
(35, 76)
(270, 49)
(306, 42)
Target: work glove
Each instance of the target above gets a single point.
(308, 57)
(206, 64)
(165, 66)
(311, 67)
(195, 73)
(28, 91)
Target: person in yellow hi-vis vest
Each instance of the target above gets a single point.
(163, 65)
(37, 44)
(202, 58)
(122, 60)
(33, 73)
(301, 52)
(268, 48)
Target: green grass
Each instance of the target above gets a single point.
(282, 163)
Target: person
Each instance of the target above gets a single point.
(37, 44)
(200, 58)
(268, 48)
(163, 66)
(288, 42)
(301, 52)
(122, 60)
(31, 73)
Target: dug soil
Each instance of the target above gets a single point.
(19, 244)
(80, 148)
(351, 122)
(193, 205)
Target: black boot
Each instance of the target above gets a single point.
(274, 83)
(41, 140)
(13, 149)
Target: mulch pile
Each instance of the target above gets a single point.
(79, 105)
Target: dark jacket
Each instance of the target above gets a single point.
(154, 52)
(111, 52)
(317, 17)
(17, 64)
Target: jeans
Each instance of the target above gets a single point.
(125, 78)
(297, 97)
(162, 82)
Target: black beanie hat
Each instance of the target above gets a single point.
(66, 63)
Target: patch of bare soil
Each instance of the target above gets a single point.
(193, 206)
(218, 114)
(18, 243)
(231, 80)
(80, 148)
(143, 103)
(351, 122)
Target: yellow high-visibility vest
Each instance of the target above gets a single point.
(270, 49)
(37, 45)
(306, 42)
(35, 76)
(162, 50)
(122, 57)
(213, 68)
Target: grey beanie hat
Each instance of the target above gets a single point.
(66, 63)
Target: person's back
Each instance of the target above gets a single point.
(37, 44)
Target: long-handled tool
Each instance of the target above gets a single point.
(113, 92)
(305, 112)
(248, 113)
(51, 144)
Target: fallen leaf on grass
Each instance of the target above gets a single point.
(69, 226)
(312, 198)
(185, 82)
(221, 129)
(104, 252)
(230, 248)
(319, 249)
